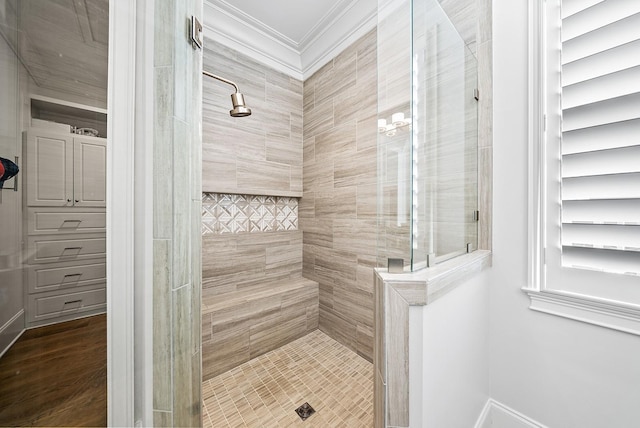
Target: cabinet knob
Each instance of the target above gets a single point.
(77, 201)
(68, 200)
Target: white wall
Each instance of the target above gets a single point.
(11, 295)
(456, 356)
(560, 372)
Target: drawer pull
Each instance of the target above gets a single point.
(73, 301)
(72, 248)
(71, 221)
(69, 275)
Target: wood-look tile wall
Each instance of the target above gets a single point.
(254, 298)
(485, 122)
(237, 261)
(256, 155)
(176, 218)
(337, 212)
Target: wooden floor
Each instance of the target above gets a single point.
(56, 376)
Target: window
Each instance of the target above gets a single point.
(585, 161)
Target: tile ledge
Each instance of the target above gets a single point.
(427, 285)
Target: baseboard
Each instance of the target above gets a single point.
(11, 331)
(497, 415)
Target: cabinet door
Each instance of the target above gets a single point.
(49, 170)
(90, 172)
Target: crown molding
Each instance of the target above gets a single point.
(347, 21)
(352, 22)
(221, 25)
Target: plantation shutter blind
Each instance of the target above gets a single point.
(600, 148)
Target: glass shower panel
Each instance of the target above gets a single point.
(427, 136)
(445, 135)
(394, 142)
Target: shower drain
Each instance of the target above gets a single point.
(305, 411)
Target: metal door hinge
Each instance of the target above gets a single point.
(196, 33)
(431, 260)
(476, 216)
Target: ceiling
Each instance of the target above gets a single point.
(295, 21)
(63, 44)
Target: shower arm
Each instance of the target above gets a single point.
(237, 99)
(222, 79)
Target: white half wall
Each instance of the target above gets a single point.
(497, 415)
(559, 372)
(455, 368)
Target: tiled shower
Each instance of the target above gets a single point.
(289, 206)
(290, 226)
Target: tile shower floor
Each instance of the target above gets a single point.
(265, 391)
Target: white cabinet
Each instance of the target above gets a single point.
(65, 225)
(49, 169)
(64, 170)
(89, 172)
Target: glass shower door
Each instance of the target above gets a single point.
(445, 138)
(428, 136)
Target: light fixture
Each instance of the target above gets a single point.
(398, 121)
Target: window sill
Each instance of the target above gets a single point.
(603, 313)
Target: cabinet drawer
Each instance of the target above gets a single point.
(65, 248)
(64, 220)
(72, 304)
(48, 277)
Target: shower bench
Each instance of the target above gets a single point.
(255, 319)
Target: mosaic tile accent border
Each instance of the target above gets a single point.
(226, 213)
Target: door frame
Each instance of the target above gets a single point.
(130, 214)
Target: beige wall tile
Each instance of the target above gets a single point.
(176, 188)
(364, 338)
(162, 418)
(181, 204)
(263, 177)
(397, 339)
(485, 192)
(163, 153)
(222, 355)
(259, 154)
(463, 14)
(162, 326)
(253, 292)
(165, 31)
(339, 196)
(182, 356)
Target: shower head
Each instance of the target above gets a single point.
(239, 107)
